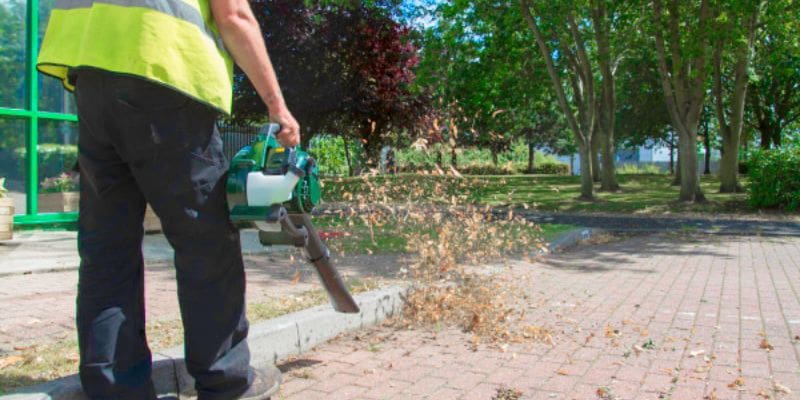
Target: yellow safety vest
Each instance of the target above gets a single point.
(171, 42)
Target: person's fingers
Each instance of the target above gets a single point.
(288, 136)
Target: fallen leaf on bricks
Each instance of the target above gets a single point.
(605, 393)
(738, 383)
(695, 353)
(507, 394)
(562, 372)
(9, 361)
(712, 395)
(763, 393)
(765, 345)
(781, 389)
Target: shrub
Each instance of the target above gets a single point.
(551, 168)
(743, 167)
(486, 169)
(3, 189)
(774, 178)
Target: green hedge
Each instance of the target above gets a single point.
(551, 168)
(545, 168)
(54, 159)
(775, 178)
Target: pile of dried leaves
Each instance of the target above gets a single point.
(456, 247)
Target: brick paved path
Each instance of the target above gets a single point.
(646, 318)
(41, 307)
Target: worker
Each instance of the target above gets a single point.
(150, 79)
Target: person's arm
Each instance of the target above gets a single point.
(242, 36)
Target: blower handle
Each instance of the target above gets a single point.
(272, 129)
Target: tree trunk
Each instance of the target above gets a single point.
(583, 97)
(439, 158)
(609, 173)
(572, 164)
(729, 165)
(707, 145)
(690, 181)
(671, 158)
(766, 139)
(684, 87)
(731, 129)
(587, 184)
(347, 156)
(453, 157)
(495, 161)
(531, 156)
(676, 181)
(595, 151)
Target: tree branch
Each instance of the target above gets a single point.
(547, 55)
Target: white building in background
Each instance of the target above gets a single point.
(642, 155)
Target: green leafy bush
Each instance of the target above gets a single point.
(775, 178)
(3, 189)
(487, 169)
(743, 167)
(331, 158)
(551, 168)
(54, 158)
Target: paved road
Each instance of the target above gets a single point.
(697, 307)
(627, 223)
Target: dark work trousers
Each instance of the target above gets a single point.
(143, 143)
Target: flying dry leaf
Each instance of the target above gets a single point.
(10, 360)
(455, 172)
(296, 277)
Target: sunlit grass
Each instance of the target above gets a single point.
(639, 194)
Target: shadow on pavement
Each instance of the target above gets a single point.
(619, 255)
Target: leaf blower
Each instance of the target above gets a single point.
(277, 188)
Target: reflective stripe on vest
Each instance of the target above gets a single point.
(170, 42)
(176, 8)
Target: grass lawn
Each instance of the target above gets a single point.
(640, 194)
(388, 239)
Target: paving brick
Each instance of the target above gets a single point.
(715, 294)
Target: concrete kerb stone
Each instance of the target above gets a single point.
(270, 341)
(44, 251)
(572, 238)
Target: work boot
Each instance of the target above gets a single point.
(266, 382)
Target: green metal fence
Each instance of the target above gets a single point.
(36, 104)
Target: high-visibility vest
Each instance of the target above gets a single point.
(171, 42)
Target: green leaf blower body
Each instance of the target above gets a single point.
(265, 156)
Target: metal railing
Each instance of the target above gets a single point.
(234, 137)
